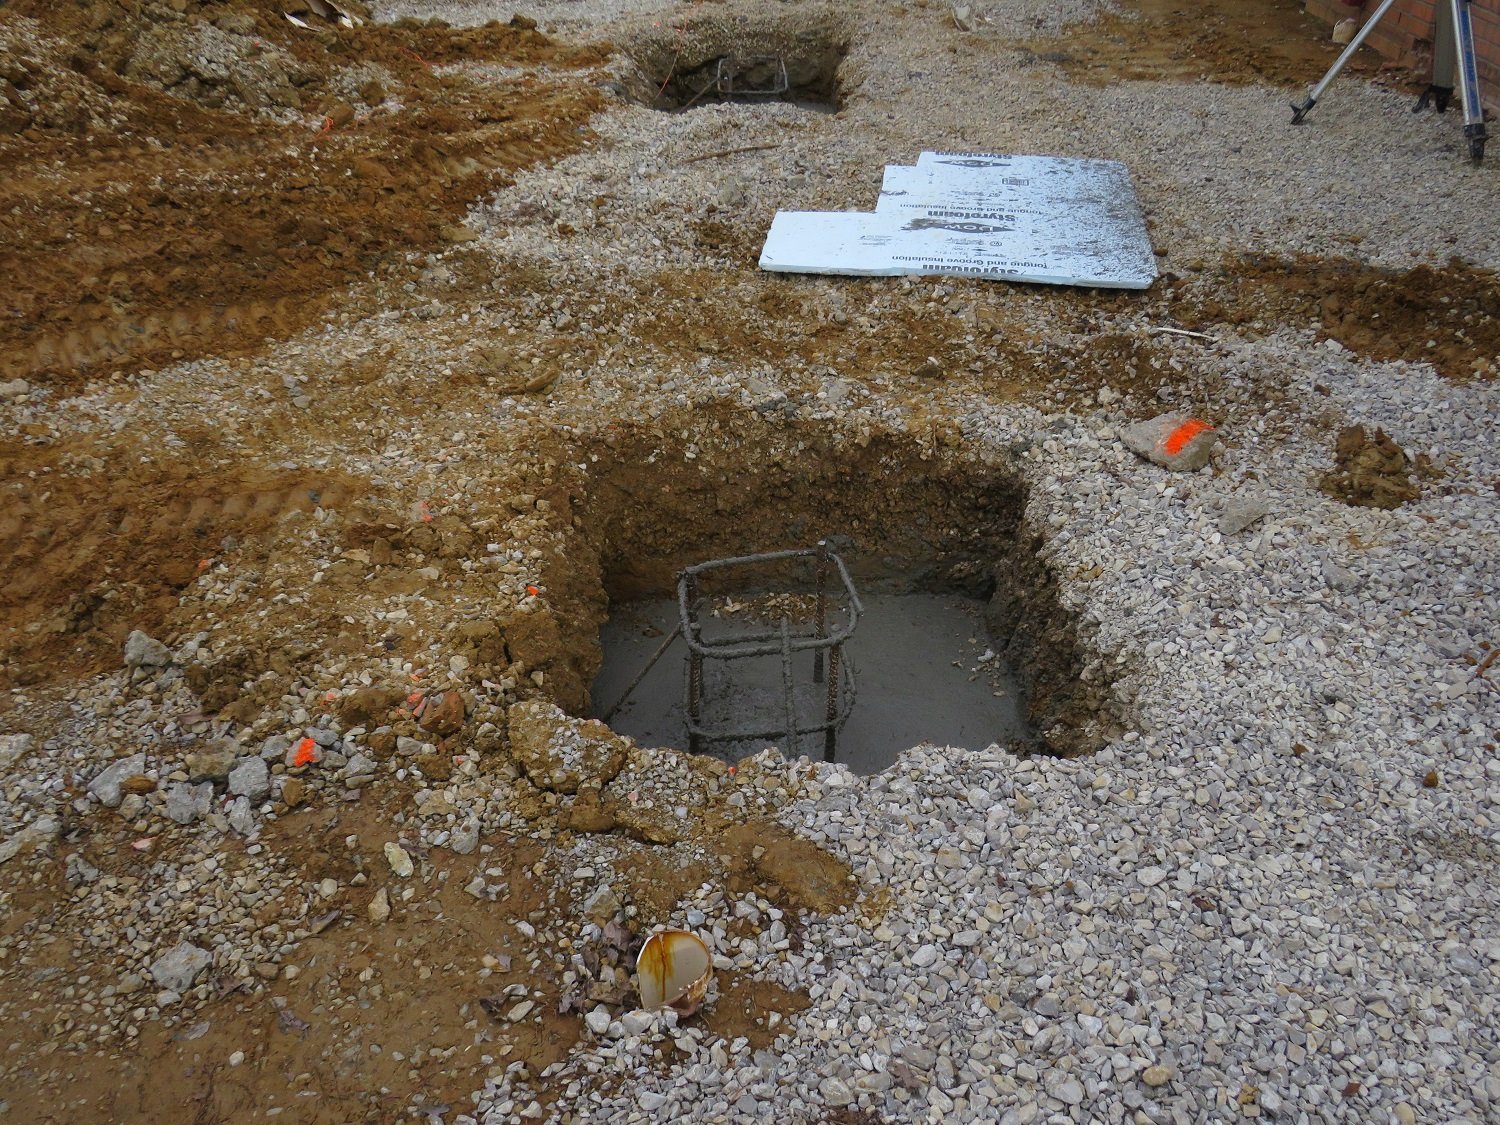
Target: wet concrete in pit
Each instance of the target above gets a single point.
(925, 672)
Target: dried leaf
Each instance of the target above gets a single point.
(288, 1021)
(618, 937)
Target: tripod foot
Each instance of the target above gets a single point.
(1299, 110)
(1476, 137)
(1436, 96)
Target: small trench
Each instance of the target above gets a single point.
(738, 62)
(963, 641)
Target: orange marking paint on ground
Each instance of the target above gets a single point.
(1177, 440)
(307, 751)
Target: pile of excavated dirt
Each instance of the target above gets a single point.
(1448, 316)
(189, 179)
(1371, 471)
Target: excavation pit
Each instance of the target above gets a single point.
(923, 666)
(740, 62)
(963, 640)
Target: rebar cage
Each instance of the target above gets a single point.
(816, 608)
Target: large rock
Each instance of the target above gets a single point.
(145, 651)
(180, 966)
(186, 803)
(13, 747)
(32, 836)
(251, 778)
(1174, 441)
(213, 762)
(106, 786)
(561, 753)
(446, 716)
(241, 816)
(1240, 512)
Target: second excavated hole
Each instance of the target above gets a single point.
(739, 63)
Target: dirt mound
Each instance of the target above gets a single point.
(191, 178)
(1370, 472)
(88, 558)
(1447, 316)
(1273, 42)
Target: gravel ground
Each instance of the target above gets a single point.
(1270, 895)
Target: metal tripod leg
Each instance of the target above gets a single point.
(1468, 79)
(1299, 109)
(1444, 61)
(1453, 65)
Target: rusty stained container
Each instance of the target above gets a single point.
(673, 970)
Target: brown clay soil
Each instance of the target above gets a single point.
(141, 223)
(1273, 42)
(372, 1020)
(1448, 316)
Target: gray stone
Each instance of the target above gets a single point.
(27, 839)
(465, 838)
(1173, 441)
(13, 747)
(835, 1091)
(359, 766)
(241, 816)
(1064, 1087)
(924, 956)
(1338, 578)
(638, 1022)
(186, 802)
(1240, 512)
(143, 651)
(106, 785)
(598, 1020)
(250, 778)
(180, 966)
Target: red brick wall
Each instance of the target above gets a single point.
(1405, 35)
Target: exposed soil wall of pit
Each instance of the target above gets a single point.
(908, 516)
(739, 59)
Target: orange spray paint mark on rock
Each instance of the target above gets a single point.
(307, 751)
(1177, 440)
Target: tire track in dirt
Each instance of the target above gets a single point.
(87, 560)
(228, 229)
